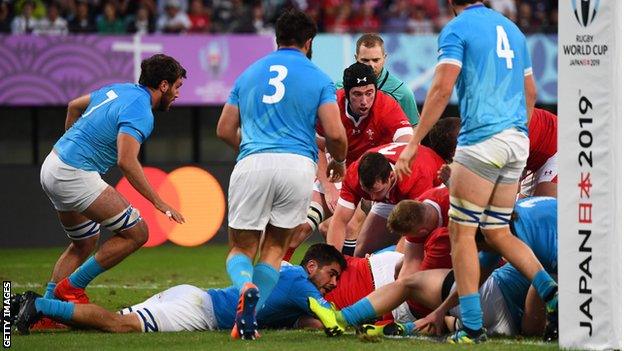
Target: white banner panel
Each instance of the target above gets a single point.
(590, 228)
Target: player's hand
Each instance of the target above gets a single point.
(170, 212)
(331, 196)
(432, 323)
(403, 167)
(335, 171)
(444, 173)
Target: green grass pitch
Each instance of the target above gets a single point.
(151, 270)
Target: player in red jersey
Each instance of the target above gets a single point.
(372, 178)
(371, 118)
(540, 174)
(383, 187)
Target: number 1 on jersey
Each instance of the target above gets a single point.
(280, 89)
(503, 50)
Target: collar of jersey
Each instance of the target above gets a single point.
(146, 89)
(291, 50)
(472, 7)
(359, 121)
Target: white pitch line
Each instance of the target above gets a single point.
(108, 286)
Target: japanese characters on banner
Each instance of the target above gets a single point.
(589, 161)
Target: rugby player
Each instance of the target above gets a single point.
(104, 129)
(270, 119)
(540, 174)
(488, 57)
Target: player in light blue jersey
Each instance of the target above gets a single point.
(104, 129)
(189, 308)
(270, 118)
(485, 56)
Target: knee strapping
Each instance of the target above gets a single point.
(128, 218)
(83, 230)
(496, 217)
(315, 215)
(465, 212)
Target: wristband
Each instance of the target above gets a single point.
(342, 163)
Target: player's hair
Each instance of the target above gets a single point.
(442, 138)
(294, 27)
(405, 216)
(369, 40)
(464, 2)
(158, 68)
(373, 167)
(324, 255)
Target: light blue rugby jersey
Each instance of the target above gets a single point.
(536, 225)
(91, 143)
(288, 301)
(278, 97)
(493, 56)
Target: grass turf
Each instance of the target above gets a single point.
(151, 270)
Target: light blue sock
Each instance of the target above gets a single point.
(55, 308)
(265, 277)
(470, 311)
(240, 269)
(49, 293)
(86, 273)
(544, 284)
(359, 312)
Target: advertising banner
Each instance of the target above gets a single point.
(589, 162)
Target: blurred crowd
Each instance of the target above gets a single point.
(251, 16)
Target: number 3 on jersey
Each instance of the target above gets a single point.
(503, 50)
(280, 89)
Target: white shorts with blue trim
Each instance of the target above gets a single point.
(67, 187)
(180, 308)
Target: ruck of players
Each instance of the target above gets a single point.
(440, 226)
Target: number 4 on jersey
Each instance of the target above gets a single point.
(503, 50)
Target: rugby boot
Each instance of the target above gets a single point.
(391, 329)
(327, 316)
(461, 336)
(67, 292)
(245, 324)
(27, 315)
(551, 332)
(14, 306)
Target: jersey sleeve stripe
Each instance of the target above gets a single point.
(344, 203)
(450, 61)
(401, 132)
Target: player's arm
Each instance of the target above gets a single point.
(414, 254)
(127, 160)
(338, 225)
(530, 92)
(335, 137)
(534, 317)
(228, 127)
(75, 108)
(435, 103)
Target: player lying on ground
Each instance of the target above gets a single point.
(189, 308)
(535, 223)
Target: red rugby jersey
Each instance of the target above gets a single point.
(354, 283)
(542, 138)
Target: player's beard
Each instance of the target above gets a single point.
(165, 102)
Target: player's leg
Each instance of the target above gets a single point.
(243, 248)
(113, 212)
(318, 213)
(469, 195)
(374, 235)
(425, 287)
(33, 306)
(354, 226)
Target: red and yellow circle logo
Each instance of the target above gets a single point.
(192, 191)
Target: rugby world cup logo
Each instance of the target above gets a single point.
(214, 57)
(585, 11)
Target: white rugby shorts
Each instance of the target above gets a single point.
(67, 187)
(497, 319)
(499, 159)
(180, 308)
(383, 267)
(273, 188)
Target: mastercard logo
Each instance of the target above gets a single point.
(193, 192)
